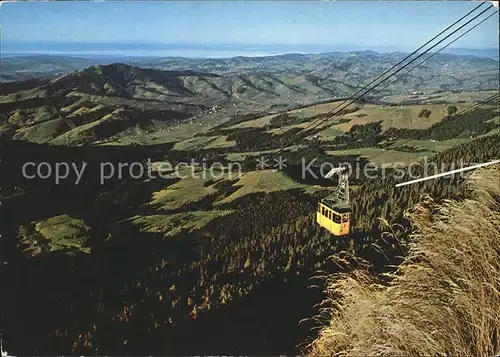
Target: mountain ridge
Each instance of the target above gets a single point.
(43, 65)
(213, 89)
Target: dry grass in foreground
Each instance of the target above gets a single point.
(444, 300)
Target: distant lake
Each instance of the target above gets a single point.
(157, 50)
(170, 50)
(95, 50)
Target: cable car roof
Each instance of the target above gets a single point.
(341, 207)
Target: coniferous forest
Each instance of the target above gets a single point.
(136, 288)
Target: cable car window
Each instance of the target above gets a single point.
(336, 218)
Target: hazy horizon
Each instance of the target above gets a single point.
(199, 51)
(228, 29)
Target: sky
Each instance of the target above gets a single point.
(364, 25)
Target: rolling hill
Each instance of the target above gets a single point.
(104, 103)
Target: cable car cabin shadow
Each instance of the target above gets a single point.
(334, 218)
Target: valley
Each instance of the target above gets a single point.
(112, 266)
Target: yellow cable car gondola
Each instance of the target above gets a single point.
(334, 211)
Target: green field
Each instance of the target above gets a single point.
(403, 116)
(256, 123)
(329, 133)
(436, 145)
(195, 143)
(59, 233)
(187, 190)
(172, 224)
(262, 181)
(385, 156)
(220, 142)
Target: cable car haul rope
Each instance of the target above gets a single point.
(334, 211)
